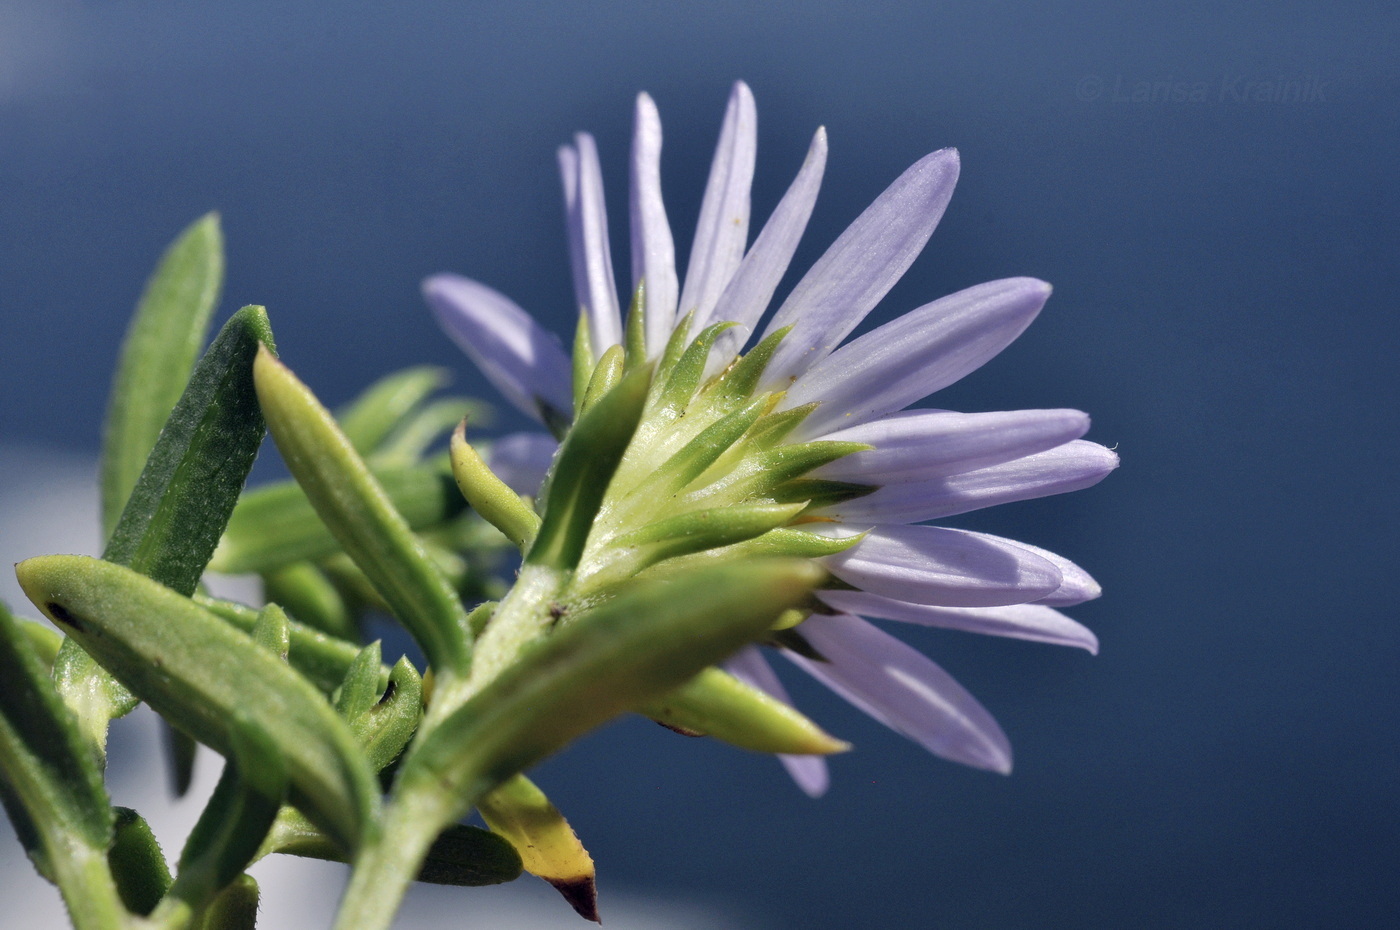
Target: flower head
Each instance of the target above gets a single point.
(794, 441)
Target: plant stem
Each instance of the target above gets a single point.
(85, 881)
(389, 862)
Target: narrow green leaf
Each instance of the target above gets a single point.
(371, 417)
(234, 822)
(361, 517)
(137, 863)
(53, 786)
(275, 525)
(208, 679)
(549, 848)
(488, 495)
(309, 596)
(641, 645)
(461, 855)
(162, 342)
(715, 703)
(675, 347)
(582, 470)
(184, 497)
(182, 500)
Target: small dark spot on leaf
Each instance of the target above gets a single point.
(389, 690)
(557, 610)
(61, 614)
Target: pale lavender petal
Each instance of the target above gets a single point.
(861, 266)
(521, 460)
(1033, 622)
(653, 251)
(904, 690)
(723, 228)
(752, 287)
(1071, 467)
(1076, 585)
(523, 361)
(749, 666)
(934, 565)
(587, 216)
(916, 445)
(909, 358)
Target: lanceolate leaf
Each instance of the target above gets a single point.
(548, 846)
(210, 680)
(161, 345)
(361, 516)
(196, 471)
(461, 855)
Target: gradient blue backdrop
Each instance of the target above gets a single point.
(1225, 274)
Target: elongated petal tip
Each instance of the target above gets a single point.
(522, 360)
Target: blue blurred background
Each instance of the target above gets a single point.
(1212, 189)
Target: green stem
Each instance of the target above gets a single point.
(85, 881)
(388, 863)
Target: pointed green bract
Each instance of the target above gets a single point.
(361, 517)
(715, 703)
(210, 680)
(684, 379)
(583, 469)
(371, 417)
(605, 376)
(275, 525)
(161, 345)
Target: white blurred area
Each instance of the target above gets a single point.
(48, 504)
